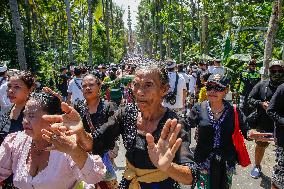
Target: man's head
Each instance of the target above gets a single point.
(217, 62)
(77, 71)
(63, 70)
(171, 65)
(276, 71)
(180, 67)
(252, 64)
(202, 65)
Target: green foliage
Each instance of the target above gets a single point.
(45, 34)
(245, 21)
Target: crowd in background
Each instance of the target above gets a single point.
(154, 106)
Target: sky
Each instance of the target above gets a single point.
(133, 7)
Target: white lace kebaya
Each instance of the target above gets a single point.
(61, 171)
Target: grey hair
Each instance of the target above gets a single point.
(152, 66)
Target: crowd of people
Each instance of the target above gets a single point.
(65, 135)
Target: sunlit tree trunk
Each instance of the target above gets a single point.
(271, 32)
(107, 28)
(169, 40)
(193, 16)
(90, 31)
(29, 25)
(19, 34)
(70, 48)
(181, 32)
(160, 25)
(204, 29)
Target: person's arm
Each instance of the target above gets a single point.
(275, 109)
(254, 97)
(86, 167)
(163, 153)
(193, 117)
(69, 90)
(6, 157)
(68, 101)
(180, 173)
(104, 137)
(184, 97)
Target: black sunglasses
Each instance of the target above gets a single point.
(276, 71)
(210, 87)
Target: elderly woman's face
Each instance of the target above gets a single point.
(215, 92)
(17, 91)
(90, 87)
(148, 90)
(33, 122)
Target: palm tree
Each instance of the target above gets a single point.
(90, 31)
(70, 48)
(19, 34)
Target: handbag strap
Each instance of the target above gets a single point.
(176, 83)
(236, 115)
(79, 87)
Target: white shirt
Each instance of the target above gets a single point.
(4, 100)
(192, 84)
(180, 87)
(185, 76)
(76, 92)
(218, 70)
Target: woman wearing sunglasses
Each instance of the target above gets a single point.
(215, 154)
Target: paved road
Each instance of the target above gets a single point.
(241, 180)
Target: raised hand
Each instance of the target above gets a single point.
(50, 91)
(70, 123)
(59, 141)
(71, 120)
(163, 153)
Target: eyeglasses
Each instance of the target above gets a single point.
(210, 87)
(276, 71)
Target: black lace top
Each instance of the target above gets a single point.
(124, 122)
(104, 111)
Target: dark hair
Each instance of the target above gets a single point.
(77, 71)
(26, 77)
(98, 81)
(62, 69)
(205, 76)
(180, 67)
(2, 74)
(252, 62)
(48, 102)
(153, 66)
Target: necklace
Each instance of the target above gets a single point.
(217, 113)
(38, 152)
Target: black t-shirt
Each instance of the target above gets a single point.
(276, 112)
(261, 92)
(63, 84)
(104, 111)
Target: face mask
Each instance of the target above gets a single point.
(277, 77)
